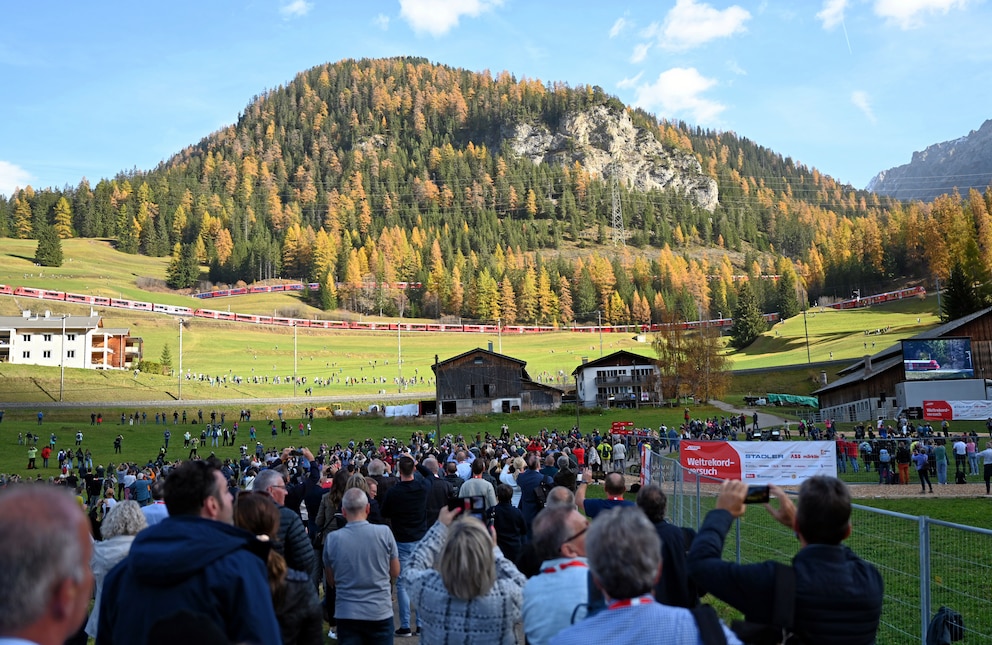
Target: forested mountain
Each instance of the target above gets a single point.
(361, 174)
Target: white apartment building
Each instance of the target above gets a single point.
(79, 341)
(620, 379)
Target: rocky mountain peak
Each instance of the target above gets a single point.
(606, 142)
(961, 164)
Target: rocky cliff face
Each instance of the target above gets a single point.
(599, 137)
(964, 164)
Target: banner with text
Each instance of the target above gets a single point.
(758, 462)
(950, 410)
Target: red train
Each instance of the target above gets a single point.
(888, 296)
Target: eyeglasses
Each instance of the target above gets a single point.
(283, 487)
(576, 536)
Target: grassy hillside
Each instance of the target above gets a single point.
(214, 348)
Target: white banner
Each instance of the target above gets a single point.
(949, 410)
(759, 462)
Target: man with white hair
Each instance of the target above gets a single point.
(360, 560)
(624, 556)
(45, 578)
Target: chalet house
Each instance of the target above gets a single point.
(68, 341)
(620, 379)
(483, 382)
(874, 387)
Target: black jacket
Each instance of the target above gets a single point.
(838, 595)
(294, 545)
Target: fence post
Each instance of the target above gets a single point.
(699, 503)
(924, 577)
(737, 536)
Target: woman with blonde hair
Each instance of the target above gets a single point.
(511, 469)
(465, 590)
(293, 593)
(121, 523)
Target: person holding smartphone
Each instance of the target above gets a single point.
(838, 595)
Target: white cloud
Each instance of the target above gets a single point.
(12, 177)
(832, 13)
(678, 92)
(381, 21)
(863, 103)
(295, 9)
(690, 24)
(438, 17)
(908, 14)
(629, 82)
(735, 68)
(640, 52)
(618, 27)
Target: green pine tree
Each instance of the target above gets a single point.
(748, 321)
(184, 269)
(49, 251)
(960, 296)
(166, 359)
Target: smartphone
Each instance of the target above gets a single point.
(757, 494)
(474, 505)
(578, 479)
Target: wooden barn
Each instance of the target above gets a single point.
(483, 382)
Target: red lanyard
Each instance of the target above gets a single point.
(564, 565)
(646, 599)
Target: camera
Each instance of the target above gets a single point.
(757, 494)
(296, 453)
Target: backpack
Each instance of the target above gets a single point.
(541, 491)
(960, 477)
(946, 627)
(780, 630)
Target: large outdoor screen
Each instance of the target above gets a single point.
(937, 359)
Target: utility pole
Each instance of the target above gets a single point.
(181, 324)
(599, 315)
(62, 359)
(577, 402)
(399, 353)
(294, 359)
(437, 398)
(805, 328)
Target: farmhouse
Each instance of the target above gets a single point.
(620, 379)
(483, 382)
(876, 387)
(68, 341)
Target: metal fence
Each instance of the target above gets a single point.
(925, 563)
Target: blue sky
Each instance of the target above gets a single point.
(850, 87)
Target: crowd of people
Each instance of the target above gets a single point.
(480, 539)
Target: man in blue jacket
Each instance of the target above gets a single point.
(838, 596)
(195, 562)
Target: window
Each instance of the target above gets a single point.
(27, 338)
(26, 354)
(46, 354)
(70, 337)
(48, 338)
(70, 354)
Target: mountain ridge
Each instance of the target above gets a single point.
(959, 164)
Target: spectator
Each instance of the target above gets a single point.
(556, 597)
(986, 456)
(405, 506)
(940, 458)
(566, 476)
(838, 595)
(157, 510)
(474, 595)
(528, 481)
(476, 485)
(920, 460)
(121, 523)
(509, 524)
(673, 588)
(47, 582)
(359, 561)
(191, 561)
(625, 559)
(613, 485)
(508, 475)
(294, 596)
(292, 542)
